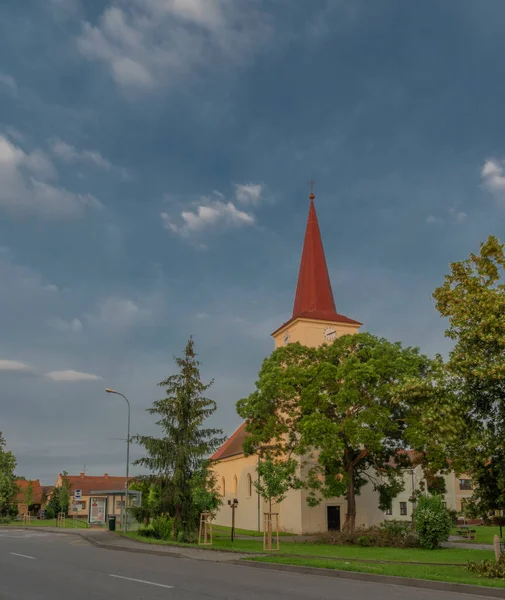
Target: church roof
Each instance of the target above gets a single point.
(234, 444)
(314, 295)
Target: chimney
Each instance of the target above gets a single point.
(81, 474)
(105, 474)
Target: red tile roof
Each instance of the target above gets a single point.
(233, 446)
(36, 490)
(89, 483)
(314, 296)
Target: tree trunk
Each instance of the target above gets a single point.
(350, 517)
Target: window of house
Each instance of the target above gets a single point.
(403, 509)
(81, 504)
(389, 511)
(119, 504)
(465, 484)
(223, 487)
(235, 485)
(444, 504)
(249, 485)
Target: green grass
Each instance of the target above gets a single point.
(446, 555)
(484, 534)
(436, 573)
(223, 531)
(69, 523)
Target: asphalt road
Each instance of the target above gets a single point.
(45, 566)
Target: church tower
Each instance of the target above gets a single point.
(315, 319)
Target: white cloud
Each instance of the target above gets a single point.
(14, 365)
(147, 42)
(432, 220)
(210, 213)
(248, 193)
(493, 176)
(71, 376)
(9, 82)
(118, 313)
(24, 188)
(70, 154)
(456, 214)
(74, 325)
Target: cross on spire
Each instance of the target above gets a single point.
(312, 184)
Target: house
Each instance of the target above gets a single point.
(30, 497)
(100, 495)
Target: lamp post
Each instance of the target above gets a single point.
(233, 504)
(109, 391)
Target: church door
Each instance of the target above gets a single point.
(333, 517)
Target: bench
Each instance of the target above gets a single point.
(470, 534)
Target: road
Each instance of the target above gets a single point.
(46, 566)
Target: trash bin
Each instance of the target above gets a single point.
(112, 523)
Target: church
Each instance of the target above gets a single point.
(314, 321)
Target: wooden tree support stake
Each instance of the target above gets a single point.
(205, 532)
(270, 531)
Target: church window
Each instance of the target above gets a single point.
(235, 485)
(223, 487)
(403, 509)
(249, 485)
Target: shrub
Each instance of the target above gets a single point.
(163, 528)
(147, 532)
(5, 519)
(432, 521)
(489, 568)
(389, 534)
(49, 513)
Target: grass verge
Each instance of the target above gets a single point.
(454, 574)
(69, 523)
(484, 534)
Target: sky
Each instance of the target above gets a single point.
(154, 166)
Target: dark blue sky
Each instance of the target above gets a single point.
(154, 159)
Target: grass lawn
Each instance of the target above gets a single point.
(69, 523)
(223, 531)
(484, 534)
(436, 573)
(446, 555)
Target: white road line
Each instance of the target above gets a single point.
(141, 581)
(22, 555)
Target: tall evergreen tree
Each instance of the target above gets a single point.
(185, 445)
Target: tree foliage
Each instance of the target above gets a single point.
(432, 521)
(60, 496)
(175, 458)
(8, 487)
(346, 409)
(275, 477)
(472, 297)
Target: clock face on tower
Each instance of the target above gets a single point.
(330, 334)
(286, 338)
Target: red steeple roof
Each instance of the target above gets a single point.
(314, 296)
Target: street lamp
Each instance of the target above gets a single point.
(109, 391)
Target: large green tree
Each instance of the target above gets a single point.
(472, 297)
(345, 410)
(175, 458)
(8, 487)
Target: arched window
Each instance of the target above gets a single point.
(249, 485)
(223, 487)
(235, 485)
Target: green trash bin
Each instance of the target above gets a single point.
(112, 523)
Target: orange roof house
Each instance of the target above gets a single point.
(37, 495)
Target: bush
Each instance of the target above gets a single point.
(49, 513)
(432, 521)
(163, 528)
(5, 519)
(147, 532)
(489, 568)
(390, 534)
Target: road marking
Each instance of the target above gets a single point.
(141, 581)
(22, 555)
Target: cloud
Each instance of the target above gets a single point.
(147, 42)
(74, 325)
(71, 376)
(432, 220)
(454, 215)
(210, 213)
(70, 154)
(24, 187)
(118, 313)
(248, 193)
(14, 365)
(9, 82)
(493, 176)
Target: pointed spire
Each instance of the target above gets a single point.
(314, 296)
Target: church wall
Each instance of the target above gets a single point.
(310, 332)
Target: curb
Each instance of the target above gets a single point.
(459, 588)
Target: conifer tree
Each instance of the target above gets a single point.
(185, 445)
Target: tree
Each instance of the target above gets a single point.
(344, 410)
(472, 297)
(205, 492)
(8, 487)
(185, 445)
(60, 496)
(275, 478)
(28, 495)
(432, 521)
